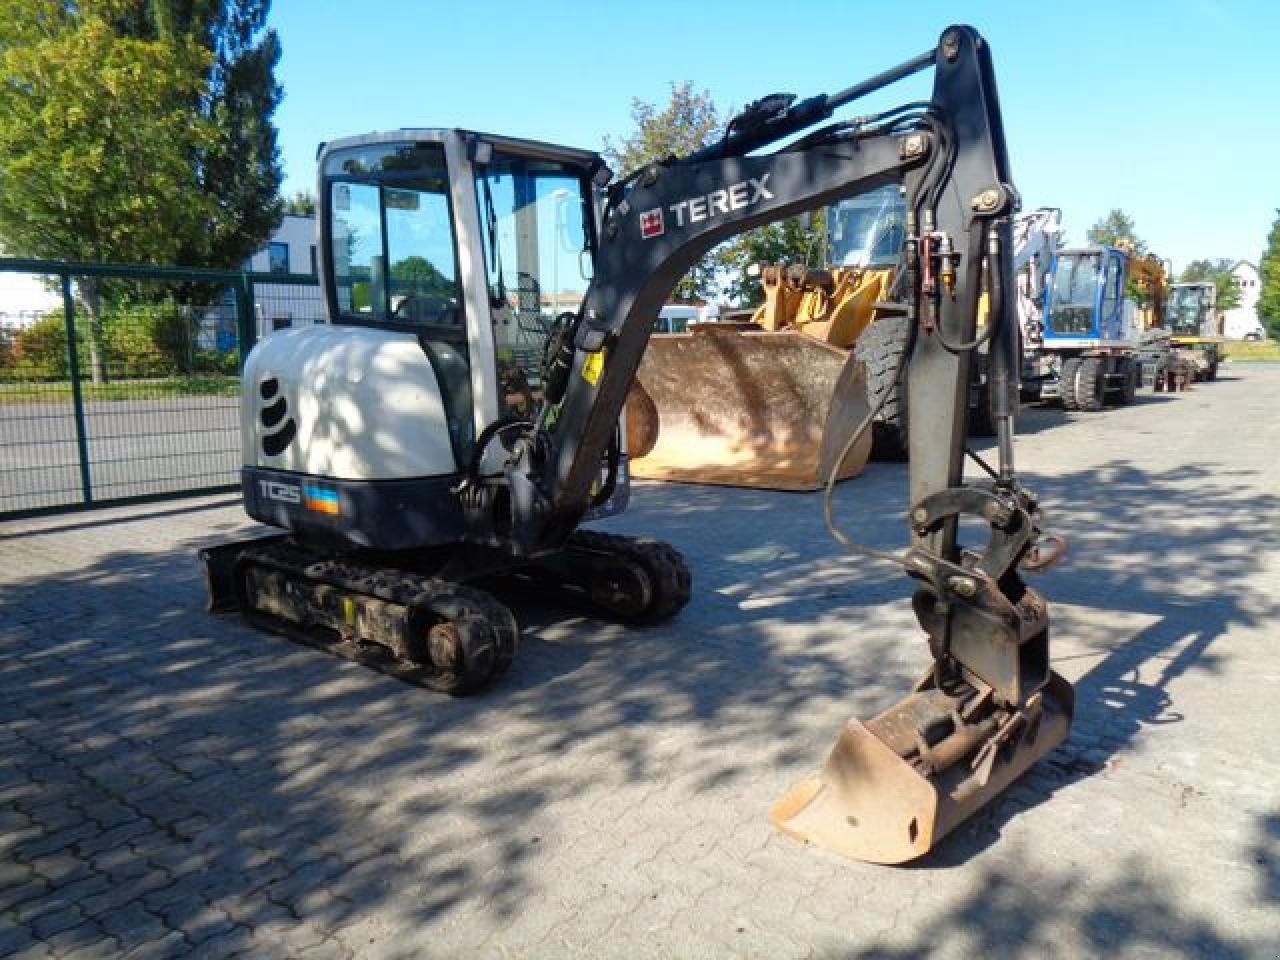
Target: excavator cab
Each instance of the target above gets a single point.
(867, 230)
(446, 258)
(1085, 297)
(1191, 310)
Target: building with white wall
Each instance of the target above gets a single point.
(1240, 321)
(25, 298)
(291, 250)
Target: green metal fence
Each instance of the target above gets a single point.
(120, 383)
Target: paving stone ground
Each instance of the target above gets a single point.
(175, 784)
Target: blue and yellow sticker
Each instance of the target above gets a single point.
(320, 500)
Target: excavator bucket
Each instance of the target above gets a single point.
(886, 795)
(741, 408)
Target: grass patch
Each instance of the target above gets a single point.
(194, 385)
(1252, 350)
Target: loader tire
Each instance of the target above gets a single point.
(880, 349)
(1067, 383)
(1129, 390)
(1090, 385)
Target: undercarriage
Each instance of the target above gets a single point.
(409, 618)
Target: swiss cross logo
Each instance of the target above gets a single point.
(651, 223)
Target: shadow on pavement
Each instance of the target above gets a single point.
(1011, 914)
(259, 773)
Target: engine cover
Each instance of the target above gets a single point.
(345, 402)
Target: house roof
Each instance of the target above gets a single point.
(1244, 263)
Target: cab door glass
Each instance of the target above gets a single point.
(358, 265)
(423, 283)
(1111, 290)
(534, 232)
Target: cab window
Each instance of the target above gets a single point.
(535, 234)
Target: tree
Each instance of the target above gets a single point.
(98, 141)
(1116, 229)
(415, 274)
(301, 204)
(1219, 271)
(688, 122)
(238, 169)
(1269, 291)
(797, 240)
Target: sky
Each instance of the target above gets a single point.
(1168, 110)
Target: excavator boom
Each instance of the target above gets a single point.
(989, 705)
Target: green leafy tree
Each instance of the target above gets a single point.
(1218, 271)
(301, 204)
(415, 274)
(689, 121)
(797, 240)
(238, 168)
(1269, 291)
(98, 141)
(1117, 229)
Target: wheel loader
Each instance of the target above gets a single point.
(747, 405)
(1196, 327)
(456, 423)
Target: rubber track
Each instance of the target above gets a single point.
(441, 599)
(669, 574)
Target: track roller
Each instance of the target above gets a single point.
(621, 578)
(433, 633)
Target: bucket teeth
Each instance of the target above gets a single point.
(886, 803)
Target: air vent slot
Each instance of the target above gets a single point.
(273, 414)
(274, 444)
(279, 430)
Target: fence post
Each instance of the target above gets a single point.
(246, 321)
(77, 400)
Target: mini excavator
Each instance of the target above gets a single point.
(459, 418)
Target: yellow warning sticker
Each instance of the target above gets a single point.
(592, 367)
(349, 611)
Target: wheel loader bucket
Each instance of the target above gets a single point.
(870, 803)
(741, 408)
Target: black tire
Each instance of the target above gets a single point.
(1067, 376)
(1129, 389)
(1090, 384)
(880, 349)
